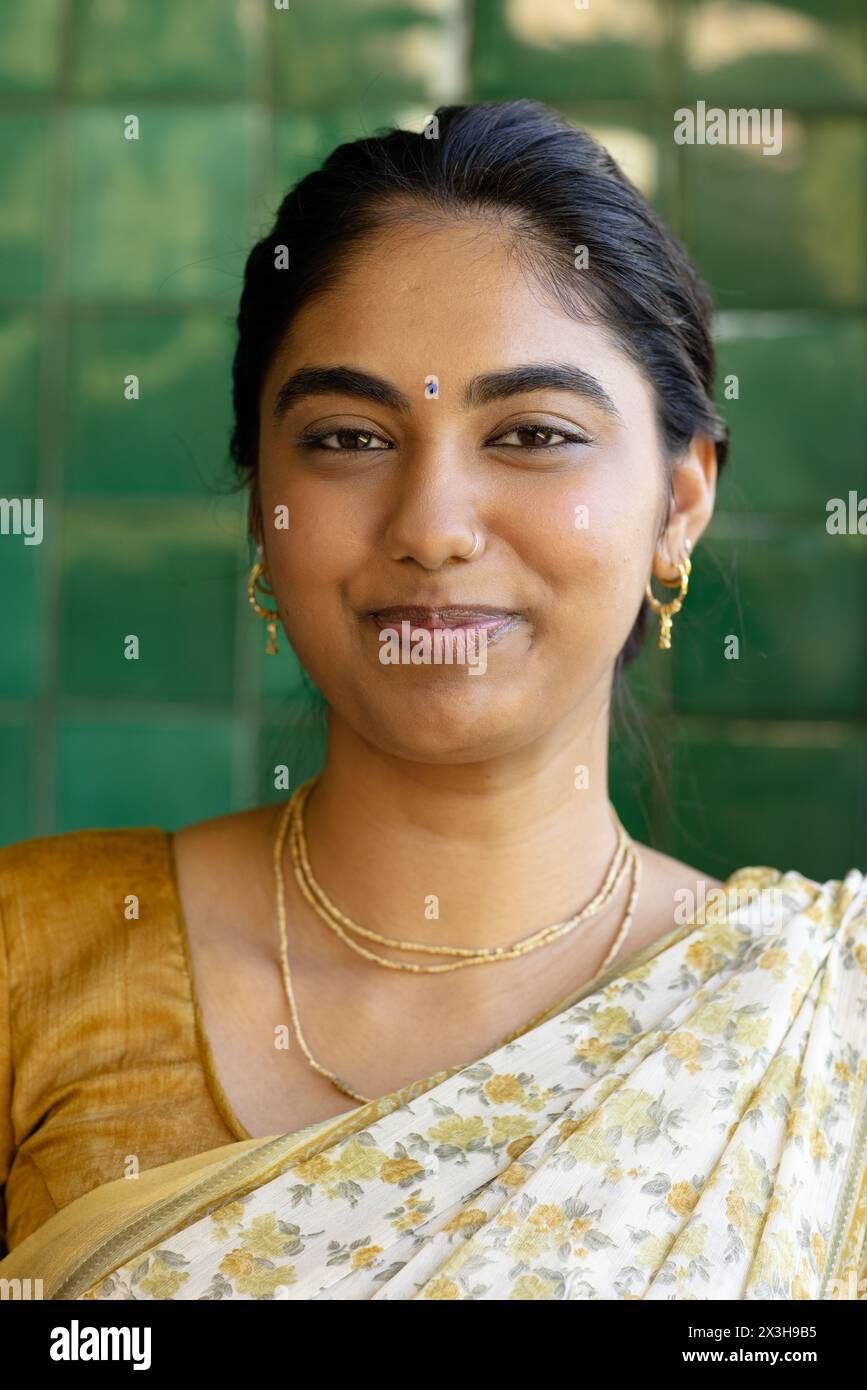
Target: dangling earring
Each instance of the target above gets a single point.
(667, 611)
(259, 578)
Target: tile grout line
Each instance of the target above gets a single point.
(53, 375)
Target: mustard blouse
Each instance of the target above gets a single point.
(104, 1062)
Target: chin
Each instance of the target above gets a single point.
(447, 723)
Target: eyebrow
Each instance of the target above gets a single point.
(481, 390)
(541, 376)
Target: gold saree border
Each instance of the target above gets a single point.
(156, 1223)
(848, 1245)
(848, 1248)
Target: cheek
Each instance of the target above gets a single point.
(592, 539)
(313, 535)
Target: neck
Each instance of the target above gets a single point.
(500, 848)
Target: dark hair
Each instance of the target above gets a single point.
(555, 189)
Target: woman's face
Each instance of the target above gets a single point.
(541, 439)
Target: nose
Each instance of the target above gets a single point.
(433, 516)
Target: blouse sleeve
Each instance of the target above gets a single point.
(6, 1131)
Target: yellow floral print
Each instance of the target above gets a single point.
(504, 1088)
(694, 1128)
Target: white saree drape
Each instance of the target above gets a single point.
(693, 1128)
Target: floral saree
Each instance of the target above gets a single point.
(691, 1124)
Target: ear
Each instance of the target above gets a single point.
(693, 484)
(254, 520)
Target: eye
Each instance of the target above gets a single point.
(348, 441)
(532, 436)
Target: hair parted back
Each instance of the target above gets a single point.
(555, 189)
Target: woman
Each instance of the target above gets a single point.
(261, 1058)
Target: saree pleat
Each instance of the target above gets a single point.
(603, 1271)
(692, 1126)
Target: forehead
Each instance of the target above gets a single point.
(450, 299)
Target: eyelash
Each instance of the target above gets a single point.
(315, 441)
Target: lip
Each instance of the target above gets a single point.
(495, 623)
(452, 616)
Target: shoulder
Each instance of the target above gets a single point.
(77, 863)
(61, 895)
(836, 907)
(664, 871)
(800, 889)
(670, 893)
(224, 870)
(229, 834)
(795, 889)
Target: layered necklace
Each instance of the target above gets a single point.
(343, 927)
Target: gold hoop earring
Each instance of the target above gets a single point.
(259, 579)
(667, 611)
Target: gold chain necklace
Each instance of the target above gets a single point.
(340, 924)
(292, 815)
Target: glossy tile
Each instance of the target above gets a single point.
(795, 601)
(799, 418)
(166, 216)
(174, 436)
(16, 779)
(352, 53)
(21, 568)
(20, 363)
(29, 45)
(166, 46)
(168, 576)
(24, 203)
(164, 772)
(772, 795)
(786, 230)
(808, 54)
(553, 51)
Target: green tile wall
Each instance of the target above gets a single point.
(119, 257)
